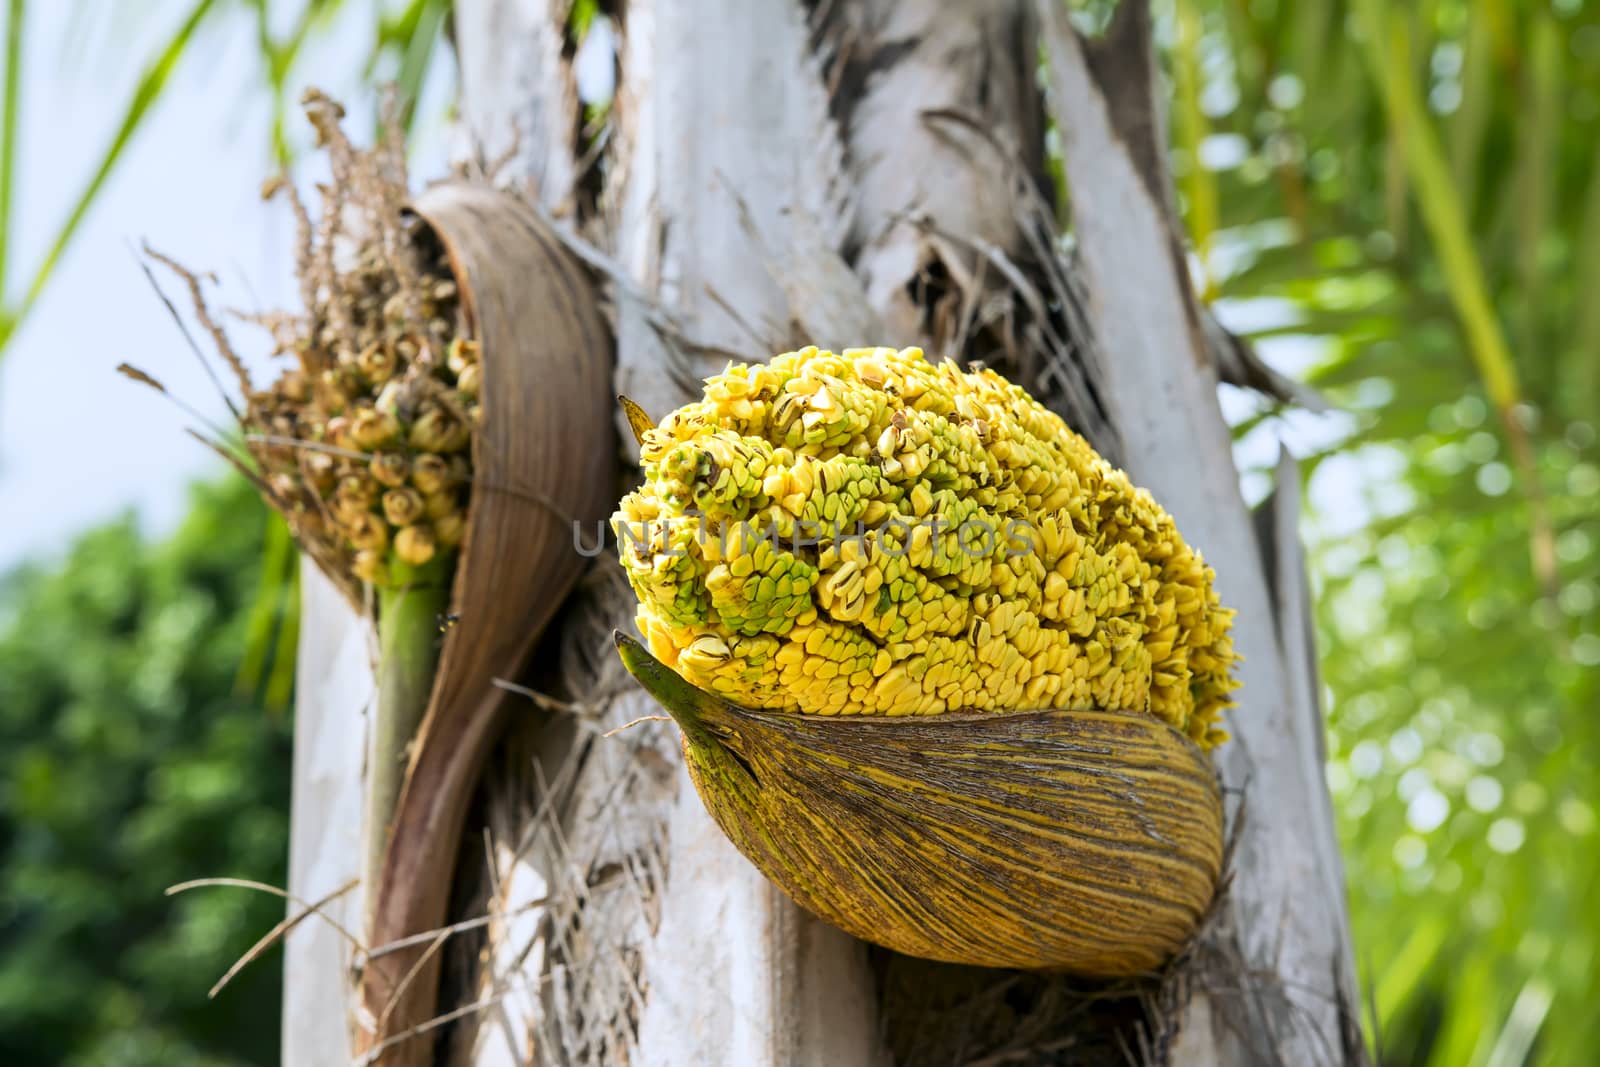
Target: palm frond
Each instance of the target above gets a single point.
(145, 95)
(10, 109)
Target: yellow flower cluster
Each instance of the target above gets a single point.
(868, 533)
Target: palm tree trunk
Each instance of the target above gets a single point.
(1285, 924)
(336, 692)
(789, 171)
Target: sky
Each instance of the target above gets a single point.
(78, 442)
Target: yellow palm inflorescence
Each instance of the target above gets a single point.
(867, 533)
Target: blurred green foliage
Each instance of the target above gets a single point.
(1462, 687)
(130, 761)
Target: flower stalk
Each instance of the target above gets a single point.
(409, 609)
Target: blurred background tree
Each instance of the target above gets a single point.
(1399, 203)
(132, 757)
(1403, 203)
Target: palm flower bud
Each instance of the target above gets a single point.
(321, 470)
(449, 529)
(292, 387)
(468, 380)
(337, 384)
(1008, 660)
(438, 505)
(415, 544)
(436, 430)
(443, 290)
(348, 509)
(286, 487)
(391, 397)
(390, 468)
(368, 565)
(1009, 567)
(367, 532)
(402, 506)
(337, 432)
(371, 428)
(362, 488)
(284, 429)
(306, 522)
(394, 309)
(376, 363)
(462, 353)
(433, 474)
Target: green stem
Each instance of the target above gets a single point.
(408, 651)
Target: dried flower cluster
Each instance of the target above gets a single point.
(364, 441)
(867, 533)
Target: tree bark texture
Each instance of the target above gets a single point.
(783, 172)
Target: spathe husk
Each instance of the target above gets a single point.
(543, 459)
(1087, 842)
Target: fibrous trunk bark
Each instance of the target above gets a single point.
(1283, 926)
(781, 172)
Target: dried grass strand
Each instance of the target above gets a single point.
(374, 1054)
(203, 314)
(205, 364)
(282, 929)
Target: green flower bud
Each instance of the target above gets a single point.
(367, 532)
(402, 506)
(449, 529)
(376, 362)
(438, 505)
(367, 565)
(415, 544)
(461, 353)
(349, 509)
(390, 468)
(371, 428)
(432, 474)
(436, 430)
(359, 487)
